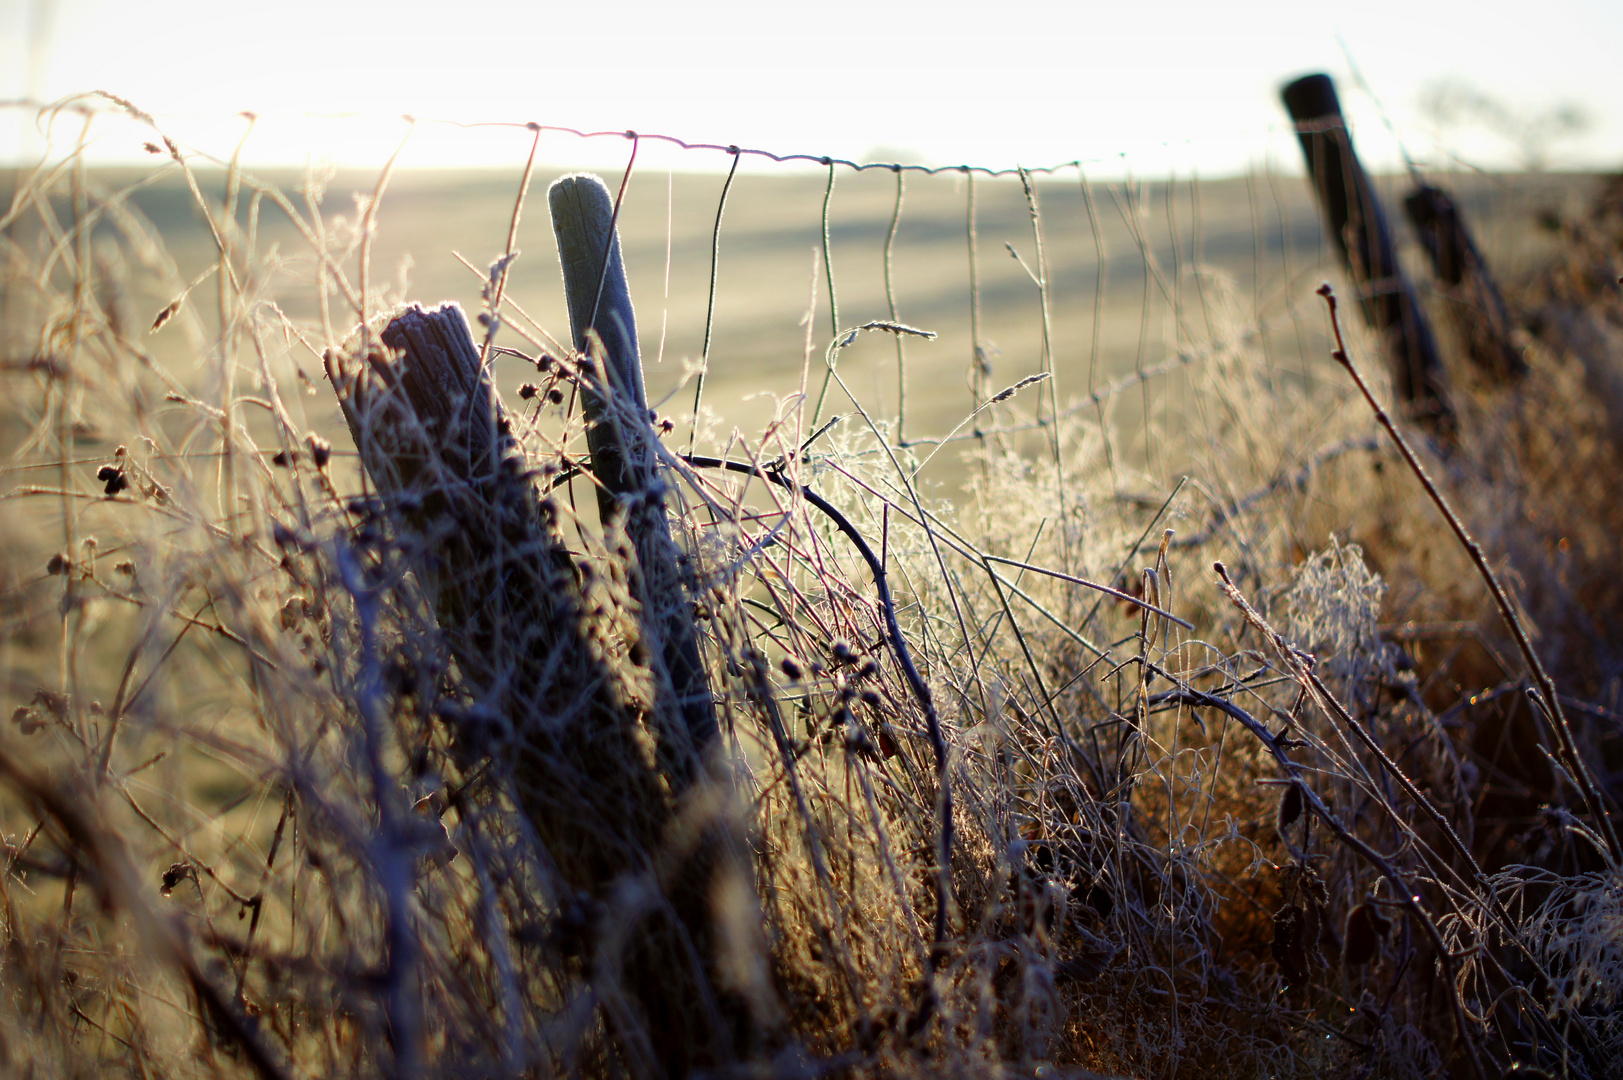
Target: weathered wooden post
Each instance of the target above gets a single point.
(621, 438)
(545, 691)
(1356, 225)
(1474, 301)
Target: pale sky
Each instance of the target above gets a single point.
(1185, 86)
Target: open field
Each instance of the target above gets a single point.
(1137, 276)
(347, 741)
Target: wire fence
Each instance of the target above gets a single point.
(1112, 291)
(1103, 286)
(1005, 787)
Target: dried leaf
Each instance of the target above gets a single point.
(1313, 888)
(1290, 943)
(1290, 807)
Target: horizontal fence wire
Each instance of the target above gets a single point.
(78, 105)
(1120, 252)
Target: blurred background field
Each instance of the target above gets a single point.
(1141, 277)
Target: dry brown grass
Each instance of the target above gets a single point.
(261, 815)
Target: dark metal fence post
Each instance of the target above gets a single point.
(1356, 224)
(621, 438)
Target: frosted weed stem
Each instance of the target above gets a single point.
(1547, 699)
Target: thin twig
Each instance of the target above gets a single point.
(904, 660)
(1278, 746)
(1551, 700)
(710, 306)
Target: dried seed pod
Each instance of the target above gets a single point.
(292, 613)
(791, 668)
(113, 479)
(27, 720)
(320, 450)
(1290, 806)
(1367, 927)
(177, 873)
(169, 309)
(857, 741)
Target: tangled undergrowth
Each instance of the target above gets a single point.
(315, 772)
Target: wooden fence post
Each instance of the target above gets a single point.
(1358, 228)
(544, 691)
(1474, 300)
(621, 438)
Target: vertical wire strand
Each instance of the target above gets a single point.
(977, 365)
(710, 308)
(614, 225)
(833, 301)
(1098, 318)
(511, 252)
(890, 297)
